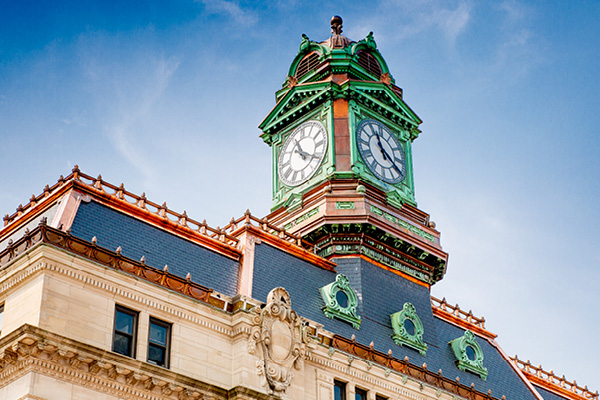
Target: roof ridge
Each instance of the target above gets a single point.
(119, 193)
(457, 312)
(552, 380)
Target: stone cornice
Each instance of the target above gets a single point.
(31, 349)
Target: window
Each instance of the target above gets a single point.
(1, 315)
(125, 331)
(339, 390)
(380, 397)
(158, 342)
(361, 394)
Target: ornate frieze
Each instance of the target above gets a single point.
(277, 338)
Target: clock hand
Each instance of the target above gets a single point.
(385, 156)
(298, 149)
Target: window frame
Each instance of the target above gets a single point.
(363, 393)
(342, 386)
(166, 347)
(133, 336)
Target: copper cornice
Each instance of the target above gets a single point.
(44, 234)
(405, 367)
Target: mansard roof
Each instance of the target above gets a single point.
(115, 228)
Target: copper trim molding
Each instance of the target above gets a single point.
(404, 367)
(548, 380)
(113, 259)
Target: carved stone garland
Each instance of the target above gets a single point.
(278, 331)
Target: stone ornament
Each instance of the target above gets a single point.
(278, 332)
(408, 329)
(341, 301)
(469, 356)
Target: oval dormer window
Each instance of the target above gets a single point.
(369, 63)
(307, 64)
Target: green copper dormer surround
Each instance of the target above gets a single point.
(340, 301)
(468, 353)
(408, 329)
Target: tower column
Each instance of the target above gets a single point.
(341, 128)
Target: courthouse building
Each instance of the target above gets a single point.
(105, 294)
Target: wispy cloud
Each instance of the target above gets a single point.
(231, 9)
(410, 18)
(135, 108)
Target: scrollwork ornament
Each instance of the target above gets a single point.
(278, 332)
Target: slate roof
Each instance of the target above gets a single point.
(380, 294)
(137, 238)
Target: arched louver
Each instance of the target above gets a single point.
(369, 63)
(307, 64)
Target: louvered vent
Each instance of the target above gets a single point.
(369, 63)
(307, 64)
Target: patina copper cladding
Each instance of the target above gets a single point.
(350, 217)
(404, 367)
(548, 380)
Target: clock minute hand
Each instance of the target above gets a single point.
(383, 152)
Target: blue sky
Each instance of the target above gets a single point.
(167, 96)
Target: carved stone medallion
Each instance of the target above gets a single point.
(277, 332)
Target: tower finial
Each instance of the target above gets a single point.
(336, 25)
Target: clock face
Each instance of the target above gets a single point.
(302, 153)
(381, 151)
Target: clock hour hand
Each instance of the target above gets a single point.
(299, 150)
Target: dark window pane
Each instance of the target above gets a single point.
(409, 326)
(342, 299)
(122, 344)
(360, 394)
(339, 390)
(378, 397)
(158, 334)
(470, 353)
(156, 355)
(124, 322)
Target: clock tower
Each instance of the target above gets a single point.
(341, 137)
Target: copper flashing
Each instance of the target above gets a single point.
(551, 382)
(466, 320)
(130, 203)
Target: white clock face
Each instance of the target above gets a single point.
(302, 153)
(381, 151)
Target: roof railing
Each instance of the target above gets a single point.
(550, 377)
(457, 312)
(263, 224)
(119, 193)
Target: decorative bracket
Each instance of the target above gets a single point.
(469, 356)
(408, 329)
(340, 301)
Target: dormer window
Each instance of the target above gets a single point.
(408, 329)
(468, 353)
(340, 301)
